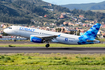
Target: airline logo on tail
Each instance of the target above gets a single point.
(90, 35)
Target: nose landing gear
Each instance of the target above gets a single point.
(15, 39)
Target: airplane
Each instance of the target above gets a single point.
(43, 36)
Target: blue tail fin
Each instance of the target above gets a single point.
(91, 33)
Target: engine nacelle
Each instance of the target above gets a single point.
(36, 39)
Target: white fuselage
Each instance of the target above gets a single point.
(26, 32)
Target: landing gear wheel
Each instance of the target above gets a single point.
(47, 45)
(14, 40)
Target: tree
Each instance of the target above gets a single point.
(63, 30)
(71, 32)
(60, 22)
(78, 32)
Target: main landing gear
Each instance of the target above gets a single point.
(14, 40)
(47, 45)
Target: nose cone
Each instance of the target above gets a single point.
(5, 31)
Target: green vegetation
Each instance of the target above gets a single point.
(28, 11)
(36, 61)
(90, 15)
(19, 12)
(102, 40)
(51, 45)
(102, 11)
(23, 11)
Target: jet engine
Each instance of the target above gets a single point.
(36, 40)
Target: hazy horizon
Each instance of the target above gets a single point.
(63, 2)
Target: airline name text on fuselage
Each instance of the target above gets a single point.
(27, 29)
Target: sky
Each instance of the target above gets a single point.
(63, 2)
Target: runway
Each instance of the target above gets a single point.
(17, 42)
(49, 50)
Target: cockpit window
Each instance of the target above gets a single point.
(9, 27)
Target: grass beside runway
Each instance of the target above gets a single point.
(36, 61)
(52, 67)
(51, 45)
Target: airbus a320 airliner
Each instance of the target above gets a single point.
(42, 36)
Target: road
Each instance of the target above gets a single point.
(44, 50)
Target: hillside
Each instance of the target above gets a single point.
(102, 11)
(22, 11)
(88, 6)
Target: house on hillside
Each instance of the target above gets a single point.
(71, 24)
(45, 16)
(49, 4)
(63, 15)
(81, 16)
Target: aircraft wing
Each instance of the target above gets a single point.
(45, 37)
